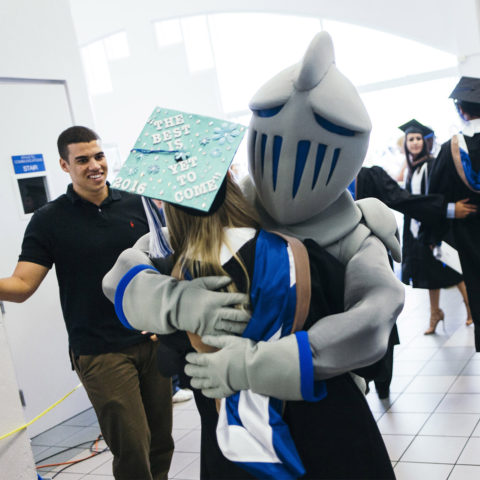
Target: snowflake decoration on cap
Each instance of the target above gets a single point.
(225, 133)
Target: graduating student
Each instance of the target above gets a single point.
(227, 240)
(419, 266)
(429, 210)
(455, 174)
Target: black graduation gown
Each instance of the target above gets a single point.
(377, 183)
(445, 179)
(419, 267)
(337, 437)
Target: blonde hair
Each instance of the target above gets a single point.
(197, 240)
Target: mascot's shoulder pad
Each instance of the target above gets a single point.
(381, 221)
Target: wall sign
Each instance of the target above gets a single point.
(28, 163)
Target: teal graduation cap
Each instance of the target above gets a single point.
(180, 158)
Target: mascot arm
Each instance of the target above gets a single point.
(146, 299)
(290, 367)
(381, 222)
(358, 337)
(282, 369)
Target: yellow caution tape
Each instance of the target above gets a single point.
(41, 414)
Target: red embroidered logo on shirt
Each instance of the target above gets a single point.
(132, 224)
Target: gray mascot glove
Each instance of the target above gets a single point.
(268, 368)
(146, 300)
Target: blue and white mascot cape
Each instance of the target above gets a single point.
(307, 140)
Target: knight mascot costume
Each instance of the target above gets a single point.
(308, 137)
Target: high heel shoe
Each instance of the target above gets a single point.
(435, 317)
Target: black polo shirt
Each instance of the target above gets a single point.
(83, 240)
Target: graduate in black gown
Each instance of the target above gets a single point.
(456, 174)
(336, 437)
(429, 209)
(419, 266)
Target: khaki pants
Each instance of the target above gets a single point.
(133, 403)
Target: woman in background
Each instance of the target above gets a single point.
(419, 267)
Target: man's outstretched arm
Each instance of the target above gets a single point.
(23, 282)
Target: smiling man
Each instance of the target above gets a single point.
(82, 232)
(87, 166)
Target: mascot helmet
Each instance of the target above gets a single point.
(308, 136)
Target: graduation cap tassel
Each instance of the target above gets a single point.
(159, 246)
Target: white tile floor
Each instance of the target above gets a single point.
(430, 423)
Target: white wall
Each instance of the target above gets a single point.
(37, 41)
(16, 457)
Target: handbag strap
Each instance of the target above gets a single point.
(302, 280)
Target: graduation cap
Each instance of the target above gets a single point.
(467, 90)
(414, 126)
(181, 158)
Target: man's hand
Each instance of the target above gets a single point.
(463, 209)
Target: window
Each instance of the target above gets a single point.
(194, 33)
(96, 57)
(168, 32)
(250, 48)
(369, 56)
(198, 47)
(96, 67)
(116, 46)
